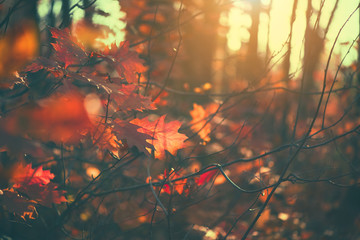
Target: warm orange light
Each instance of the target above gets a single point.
(18, 47)
(92, 172)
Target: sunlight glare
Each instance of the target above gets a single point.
(239, 21)
(238, 25)
(112, 21)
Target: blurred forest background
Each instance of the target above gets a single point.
(268, 94)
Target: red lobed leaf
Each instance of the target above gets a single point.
(165, 135)
(35, 183)
(127, 99)
(130, 132)
(126, 62)
(206, 177)
(105, 139)
(26, 175)
(178, 186)
(17, 204)
(42, 63)
(68, 50)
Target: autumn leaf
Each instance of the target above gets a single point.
(161, 99)
(42, 63)
(165, 135)
(133, 135)
(104, 138)
(26, 175)
(47, 195)
(68, 50)
(35, 183)
(17, 204)
(178, 186)
(199, 122)
(127, 99)
(126, 62)
(206, 177)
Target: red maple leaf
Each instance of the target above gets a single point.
(26, 175)
(127, 99)
(126, 62)
(133, 135)
(68, 50)
(45, 195)
(42, 63)
(165, 135)
(206, 177)
(178, 186)
(35, 184)
(17, 204)
(105, 139)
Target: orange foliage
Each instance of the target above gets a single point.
(26, 175)
(35, 183)
(160, 101)
(178, 186)
(199, 122)
(59, 118)
(105, 139)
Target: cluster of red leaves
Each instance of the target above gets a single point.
(125, 62)
(179, 183)
(30, 187)
(180, 186)
(36, 184)
(142, 133)
(65, 117)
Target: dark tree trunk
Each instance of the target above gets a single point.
(65, 14)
